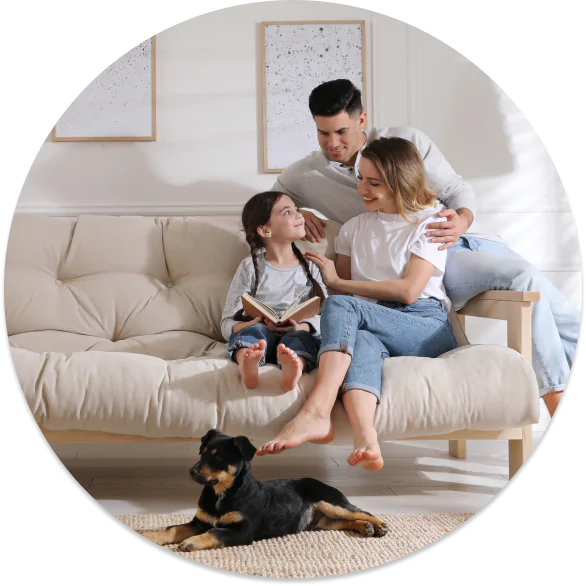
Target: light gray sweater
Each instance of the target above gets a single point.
(331, 188)
(278, 288)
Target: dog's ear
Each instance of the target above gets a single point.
(207, 437)
(246, 448)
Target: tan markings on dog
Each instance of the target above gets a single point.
(204, 541)
(204, 450)
(229, 518)
(214, 451)
(205, 517)
(225, 478)
(169, 536)
(365, 528)
(336, 512)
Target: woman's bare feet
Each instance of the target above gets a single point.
(292, 366)
(366, 451)
(248, 359)
(304, 427)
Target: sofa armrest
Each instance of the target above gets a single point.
(512, 306)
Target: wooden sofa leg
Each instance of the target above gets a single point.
(458, 448)
(519, 450)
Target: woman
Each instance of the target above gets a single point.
(395, 303)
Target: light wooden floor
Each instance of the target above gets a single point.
(418, 477)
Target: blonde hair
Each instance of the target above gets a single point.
(401, 169)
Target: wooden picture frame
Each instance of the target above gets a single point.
(299, 77)
(83, 107)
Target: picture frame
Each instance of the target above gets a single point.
(119, 105)
(297, 56)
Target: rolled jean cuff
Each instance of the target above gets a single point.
(360, 387)
(553, 389)
(310, 361)
(335, 348)
(238, 345)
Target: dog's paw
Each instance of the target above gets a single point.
(365, 528)
(380, 530)
(187, 546)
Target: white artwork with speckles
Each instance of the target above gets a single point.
(118, 103)
(299, 57)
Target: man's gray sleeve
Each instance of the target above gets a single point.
(450, 188)
(288, 181)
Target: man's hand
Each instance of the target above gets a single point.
(327, 268)
(314, 227)
(448, 232)
(289, 326)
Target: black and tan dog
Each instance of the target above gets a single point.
(236, 509)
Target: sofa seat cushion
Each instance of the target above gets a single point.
(166, 345)
(484, 387)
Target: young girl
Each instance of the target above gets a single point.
(398, 305)
(277, 278)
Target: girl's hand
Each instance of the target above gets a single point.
(326, 266)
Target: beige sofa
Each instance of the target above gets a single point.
(113, 324)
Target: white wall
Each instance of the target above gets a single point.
(208, 150)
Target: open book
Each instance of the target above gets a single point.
(255, 308)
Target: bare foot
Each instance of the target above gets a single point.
(248, 359)
(304, 427)
(292, 367)
(366, 452)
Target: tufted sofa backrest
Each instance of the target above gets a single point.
(119, 277)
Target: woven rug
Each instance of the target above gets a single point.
(315, 553)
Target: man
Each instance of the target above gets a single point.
(326, 181)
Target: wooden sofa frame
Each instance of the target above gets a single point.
(512, 306)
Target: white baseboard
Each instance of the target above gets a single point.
(138, 209)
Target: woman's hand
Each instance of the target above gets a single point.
(289, 326)
(327, 268)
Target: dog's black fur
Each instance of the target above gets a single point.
(236, 509)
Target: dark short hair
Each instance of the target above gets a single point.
(336, 96)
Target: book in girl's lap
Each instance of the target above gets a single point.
(278, 278)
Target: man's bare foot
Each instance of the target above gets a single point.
(366, 452)
(248, 359)
(292, 367)
(304, 427)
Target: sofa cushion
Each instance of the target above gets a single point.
(167, 345)
(114, 326)
(120, 277)
(474, 387)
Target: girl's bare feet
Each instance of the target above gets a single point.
(304, 427)
(366, 451)
(248, 359)
(292, 366)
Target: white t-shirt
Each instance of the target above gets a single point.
(380, 247)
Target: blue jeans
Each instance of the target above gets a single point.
(371, 332)
(302, 343)
(475, 265)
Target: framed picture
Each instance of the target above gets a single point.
(119, 104)
(297, 57)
